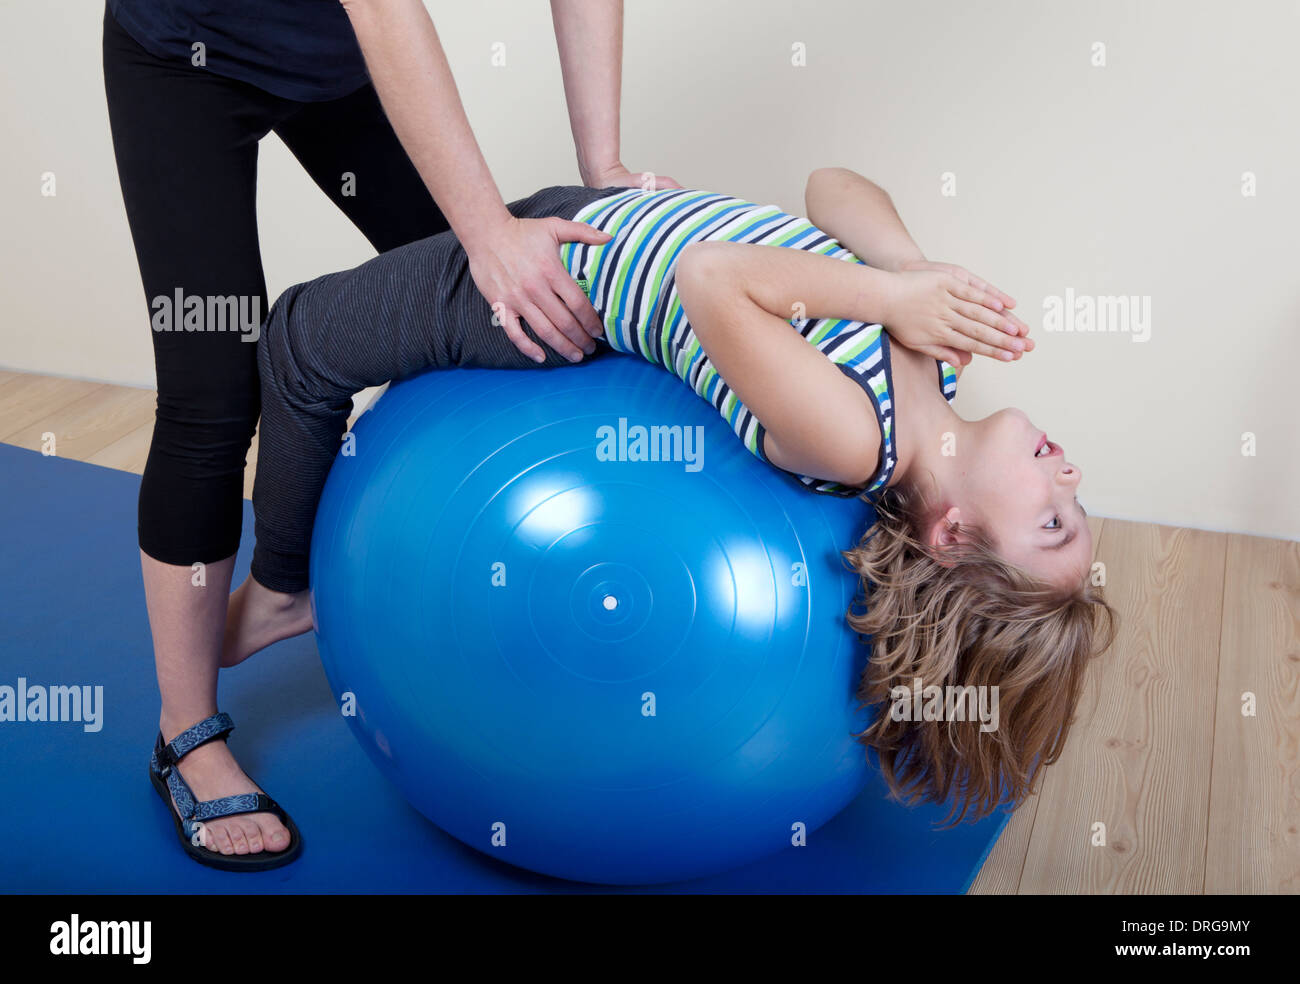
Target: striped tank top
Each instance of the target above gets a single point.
(630, 283)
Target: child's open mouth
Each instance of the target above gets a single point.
(1046, 449)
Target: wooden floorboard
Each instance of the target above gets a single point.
(1254, 809)
(1136, 768)
(86, 425)
(129, 452)
(27, 400)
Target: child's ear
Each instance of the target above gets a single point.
(943, 533)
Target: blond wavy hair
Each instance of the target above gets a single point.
(962, 616)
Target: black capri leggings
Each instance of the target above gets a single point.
(186, 147)
(411, 309)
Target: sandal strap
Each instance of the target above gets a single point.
(209, 729)
(192, 811)
(230, 806)
(182, 794)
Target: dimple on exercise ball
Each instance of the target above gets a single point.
(583, 629)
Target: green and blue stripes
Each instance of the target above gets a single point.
(630, 282)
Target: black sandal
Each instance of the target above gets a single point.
(170, 784)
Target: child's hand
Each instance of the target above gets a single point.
(947, 313)
(964, 275)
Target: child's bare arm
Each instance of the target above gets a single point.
(861, 216)
(817, 421)
(739, 298)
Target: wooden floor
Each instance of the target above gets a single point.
(1193, 795)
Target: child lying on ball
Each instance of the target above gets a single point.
(976, 569)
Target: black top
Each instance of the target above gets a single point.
(303, 50)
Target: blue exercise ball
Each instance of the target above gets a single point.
(580, 644)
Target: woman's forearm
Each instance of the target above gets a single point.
(589, 36)
(861, 215)
(410, 72)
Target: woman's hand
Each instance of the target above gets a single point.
(947, 313)
(516, 267)
(617, 176)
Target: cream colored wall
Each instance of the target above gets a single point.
(1117, 180)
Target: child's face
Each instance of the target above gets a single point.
(1021, 489)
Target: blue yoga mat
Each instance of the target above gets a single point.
(80, 816)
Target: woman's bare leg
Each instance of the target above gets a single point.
(187, 621)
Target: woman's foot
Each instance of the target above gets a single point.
(212, 772)
(256, 617)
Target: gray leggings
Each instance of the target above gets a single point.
(410, 309)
